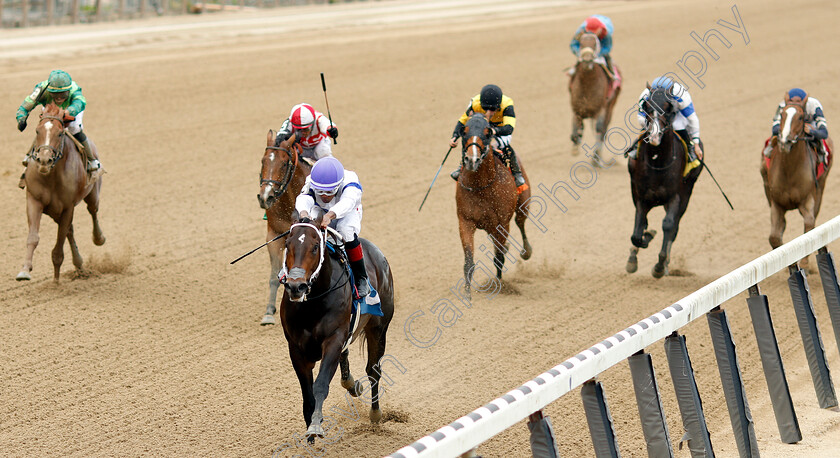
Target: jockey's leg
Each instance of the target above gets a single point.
(322, 149)
(503, 143)
(768, 150)
(608, 61)
(692, 156)
(349, 228)
(87, 152)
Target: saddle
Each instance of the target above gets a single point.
(820, 169)
(689, 164)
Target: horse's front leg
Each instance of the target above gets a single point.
(275, 254)
(810, 219)
(34, 210)
(500, 245)
(577, 134)
(467, 231)
(64, 221)
(670, 226)
(777, 225)
(522, 207)
(321, 389)
(347, 380)
(303, 370)
(640, 237)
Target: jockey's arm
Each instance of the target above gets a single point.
(606, 45)
(29, 102)
(777, 118)
(351, 197)
(304, 202)
(77, 103)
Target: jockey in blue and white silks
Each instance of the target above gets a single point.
(815, 123)
(338, 195)
(685, 123)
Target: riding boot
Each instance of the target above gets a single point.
(608, 61)
(357, 263)
(456, 173)
(87, 152)
(692, 156)
(514, 167)
(22, 182)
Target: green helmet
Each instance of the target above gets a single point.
(59, 81)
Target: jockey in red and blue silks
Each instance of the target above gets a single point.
(602, 27)
(337, 194)
(815, 124)
(686, 123)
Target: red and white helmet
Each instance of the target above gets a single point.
(302, 116)
(594, 25)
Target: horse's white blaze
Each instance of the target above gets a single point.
(302, 238)
(266, 192)
(474, 153)
(788, 120)
(271, 156)
(48, 126)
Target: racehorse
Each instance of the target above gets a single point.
(591, 95)
(656, 178)
(486, 197)
(790, 176)
(282, 176)
(316, 315)
(56, 181)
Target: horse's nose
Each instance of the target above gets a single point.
(262, 202)
(296, 289)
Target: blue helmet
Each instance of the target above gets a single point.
(327, 176)
(662, 82)
(796, 92)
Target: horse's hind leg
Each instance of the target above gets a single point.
(523, 204)
(64, 221)
(74, 249)
(34, 210)
(92, 201)
(346, 378)
(376, 350)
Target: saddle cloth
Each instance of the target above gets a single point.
(820, 166)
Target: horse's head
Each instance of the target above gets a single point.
(476, 142)
(791, 125)
(49, 139)
(304, 257)
(660, 109)
(590, 48)
(278, 166)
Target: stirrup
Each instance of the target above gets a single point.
(93, 165)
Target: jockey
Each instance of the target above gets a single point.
(312, 129)
(602, 27)
(686, 123)
(815, 125)
(60, 89)
(338, 195)
(499, 107)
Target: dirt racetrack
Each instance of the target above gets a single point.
(157, 350)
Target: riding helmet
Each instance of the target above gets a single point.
(327, 175)
(59, 81)
(491, 97)
(662, 82)
(796, 92)
(594, 25)
(302, 116)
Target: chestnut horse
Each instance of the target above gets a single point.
(486, 197)
(56, 181)
(656, 178)
(790, 182)
(316, 313)
(591, 96)
(281, 179)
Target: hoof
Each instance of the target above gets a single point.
(375, 415)
(99, 241)
(267, 319)
(313, 431)
(575, 150)
(350, 386)
(632, 264)
(526, 253)
(659, 271)
(23, 275)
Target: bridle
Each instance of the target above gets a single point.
(279, 186)
(485, 149)
(57, 153)
(285, 272)
(658, 121)
(801, 135)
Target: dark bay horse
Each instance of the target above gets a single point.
(282, 176)
(790, 181)
(656, 178)
(316, 311)
(591, 95)
(56, 181)
(486, 197)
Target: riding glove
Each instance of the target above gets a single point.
(21, 124)
(333, 132)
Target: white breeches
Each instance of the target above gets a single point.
(76, 126)
(501, 142)
(321, 150)
(350, 225)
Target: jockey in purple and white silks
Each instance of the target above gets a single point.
(686, 123)
(815, 123)
(337, 194)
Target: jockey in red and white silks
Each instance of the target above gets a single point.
(313, 131)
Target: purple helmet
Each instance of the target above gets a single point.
(327, 176)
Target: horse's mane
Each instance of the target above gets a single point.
(476, 126)
(52, 109)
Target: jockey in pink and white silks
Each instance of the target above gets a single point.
(815, 123)
(313, 131)
(337, 194)
(686, 123)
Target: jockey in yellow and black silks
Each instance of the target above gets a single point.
(491, 101)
